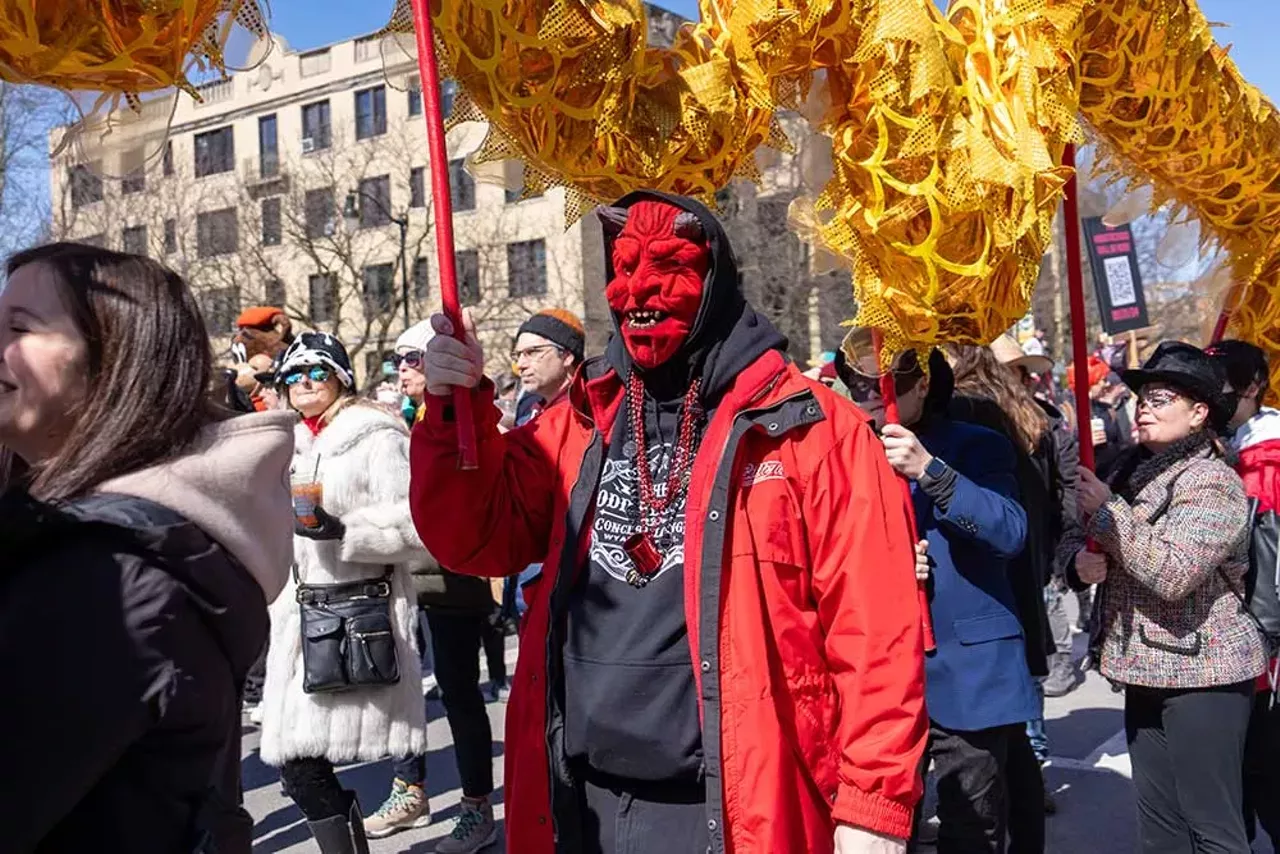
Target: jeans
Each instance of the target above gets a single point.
(973, 774)
(1055, 603)
(669, 819)
(1187, 750)
(456, 639)
(313, 786)
(1035, 729)
(513, 604)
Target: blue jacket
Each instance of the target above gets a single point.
(978, 678)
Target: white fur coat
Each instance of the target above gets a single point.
(362, 458)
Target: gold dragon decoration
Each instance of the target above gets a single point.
(947, 130)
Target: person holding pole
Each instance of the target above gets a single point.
(979, 689)
(724, 650)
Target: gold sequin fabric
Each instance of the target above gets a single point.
(121, 49)
(1171, 108)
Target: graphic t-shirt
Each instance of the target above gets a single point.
(630, 702)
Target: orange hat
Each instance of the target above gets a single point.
(258, 316)
(1098, 371)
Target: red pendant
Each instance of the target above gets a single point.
(644, 555)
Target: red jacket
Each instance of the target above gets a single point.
(800, 597)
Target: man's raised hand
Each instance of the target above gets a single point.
(450, 363)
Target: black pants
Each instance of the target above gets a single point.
(1262, 769)
(630, 819)
(1187, 750)
(314, 787)
(255, 678)
(494, 641)
(972, 770)
(456, 639)
(1024, 794)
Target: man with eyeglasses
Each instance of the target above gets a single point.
(548, 349)
(978, 689)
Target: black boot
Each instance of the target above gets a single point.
(342, 834)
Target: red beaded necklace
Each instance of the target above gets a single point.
(646, 560)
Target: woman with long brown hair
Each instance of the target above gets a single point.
(140, 533)
(990, 393)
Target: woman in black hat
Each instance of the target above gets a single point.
(1171, 532)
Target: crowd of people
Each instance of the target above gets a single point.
(714, 564)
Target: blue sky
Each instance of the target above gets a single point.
(1254, 23)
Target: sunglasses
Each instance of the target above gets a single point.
(863, 387)
(413, 359)
(316, 375)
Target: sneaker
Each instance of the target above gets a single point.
(474, 831)
(497, 693)
(927, 834)
(1063, 676)
(504, 692)
(405, 808)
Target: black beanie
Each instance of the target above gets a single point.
(560, 327)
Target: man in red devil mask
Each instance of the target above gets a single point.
(723, 652)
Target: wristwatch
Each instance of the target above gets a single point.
(936, 470)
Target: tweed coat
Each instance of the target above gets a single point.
(1170, 620)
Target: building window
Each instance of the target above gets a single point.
(217, 233)
(366, 48)
(417, 187)
(273, 293)
(268, 147)
(371, 112)
(527, 268)
(315, 62)
(462, 187)
(415, 96)
(375, 201)
(221, 308)
(421, 279)
(467, 267)
(170, 237)
(215, 152)
(134, 240)
(134, 165)
(167, 159)
(323, 293)
(320, 213)
(315, 127)
(134, 182)
(448, 94)
(379, 289)
(86, 185)
(271, 230)
(374, 363)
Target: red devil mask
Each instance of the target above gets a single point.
(660, 261)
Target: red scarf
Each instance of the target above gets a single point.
(314, 424)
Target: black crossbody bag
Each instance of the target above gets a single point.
(347, 637)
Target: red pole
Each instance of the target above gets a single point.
(890, 397)
(430, 76)
(1079, 326)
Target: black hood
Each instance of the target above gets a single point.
(728, 334)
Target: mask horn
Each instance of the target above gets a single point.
(613, 219)
(689, 227)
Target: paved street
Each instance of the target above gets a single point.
(1089, 776)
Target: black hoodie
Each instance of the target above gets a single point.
(631, 708)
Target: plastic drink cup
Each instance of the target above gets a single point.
(307, 495)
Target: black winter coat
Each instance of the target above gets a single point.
(125, 637)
